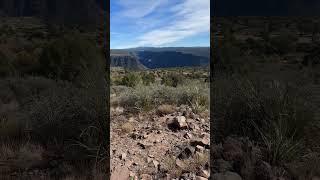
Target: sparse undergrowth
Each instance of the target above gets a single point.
(52, 107)
(143, 97)
(275, 114)
(149, 105)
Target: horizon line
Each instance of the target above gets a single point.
(163, 47)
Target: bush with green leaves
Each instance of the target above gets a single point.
(147, 78)
(172, 79)
(144, 98)
(51, 111)
(130, 79)
(274, 113)
(231, 57)
(70, 58)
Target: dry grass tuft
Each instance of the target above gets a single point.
(165, 109)
(171, 167)
(127, 128)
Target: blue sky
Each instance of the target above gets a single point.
(159, 23)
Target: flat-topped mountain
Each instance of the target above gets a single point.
(126, 61)
(152, 58)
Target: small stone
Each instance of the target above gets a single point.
(188, 176)
(149, 160)
(180, 163)
(155, 163)
(150, 155)
(201, 178)
(203, 121)
(194, 126)
(145, 145)
(145, 136)
(199, 148)
(188, 135)
(204, 173)
(123, 156)
(162, 119)
(202, 142)
(205, 135)
(178, 123)
(131, 119)
(190, 121)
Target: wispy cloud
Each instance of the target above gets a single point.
(138, 8)
(162, 22)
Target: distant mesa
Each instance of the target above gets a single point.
(153, 58)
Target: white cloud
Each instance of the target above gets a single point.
(190, 18)
(139, 8)
(159, 22)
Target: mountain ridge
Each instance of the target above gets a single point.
(163, 57)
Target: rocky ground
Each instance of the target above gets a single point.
(171, 145)
(176, 145)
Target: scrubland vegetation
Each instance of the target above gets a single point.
(139, 91)
(52, 106)
(265, 88)
(160, 111)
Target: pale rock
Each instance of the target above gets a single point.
(201, 178)
(180, 163)
(180, 121)
(188, 136)
(123, 156)
(194, 126)
(189, 121)
(203, 121)
(200, 141)
(131, 119)
(199, 148)
(156, 163)
(150, 155)
(149, 159)
(204, 173)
